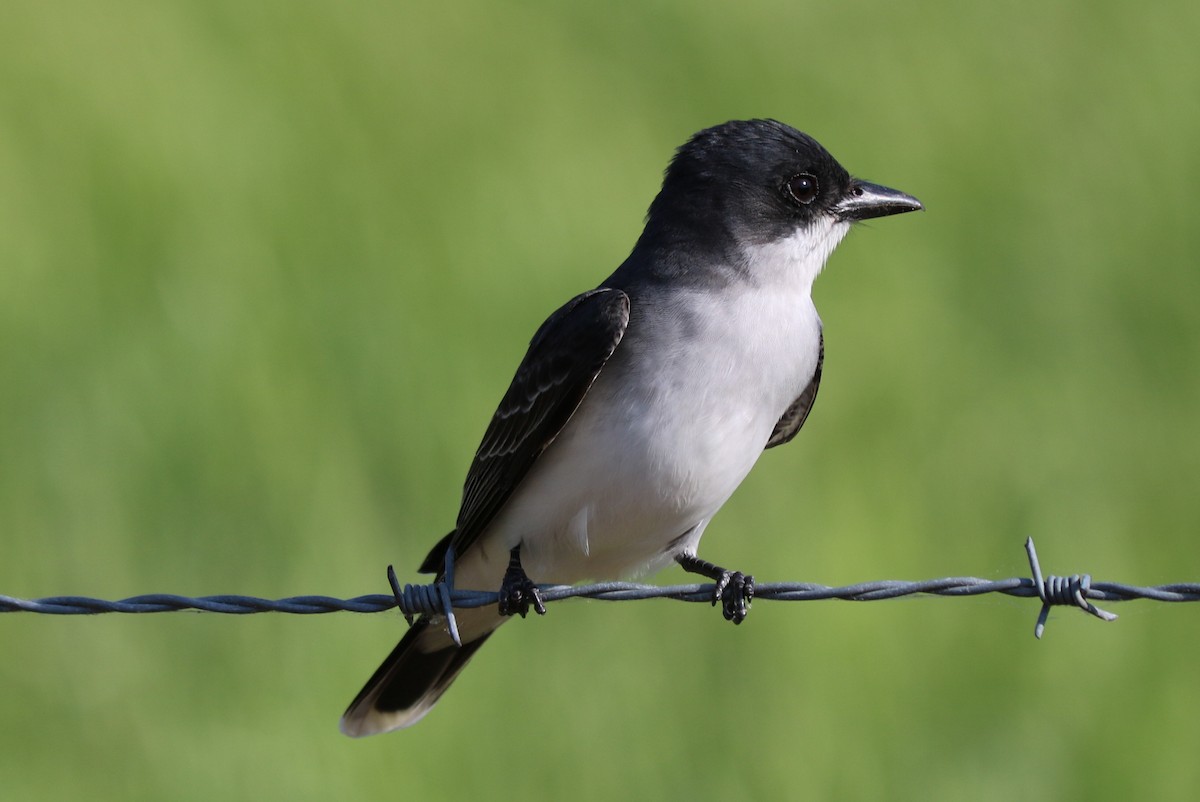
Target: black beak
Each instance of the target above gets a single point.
(865, 200)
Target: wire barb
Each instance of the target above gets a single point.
(1063, 590)
(442, 598)
(432, 599)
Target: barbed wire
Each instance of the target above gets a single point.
(442, 599)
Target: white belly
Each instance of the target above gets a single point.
(668, 431)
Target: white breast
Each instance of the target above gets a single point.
(672, 425)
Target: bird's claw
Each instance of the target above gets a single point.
(518, 592)
(733, 588)
(517, 597)
(735, 591)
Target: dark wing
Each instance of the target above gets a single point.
(563, 360)
(796, 414)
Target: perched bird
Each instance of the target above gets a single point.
(641, 405)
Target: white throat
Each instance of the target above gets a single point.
(797, 259)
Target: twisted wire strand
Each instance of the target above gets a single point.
(441, 599)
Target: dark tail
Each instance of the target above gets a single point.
(410, 681)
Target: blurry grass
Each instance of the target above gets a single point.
(265, 271)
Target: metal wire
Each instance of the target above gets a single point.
(440, 599)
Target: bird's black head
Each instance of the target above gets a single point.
(751, 182)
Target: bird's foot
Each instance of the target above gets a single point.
(734, 590)
(517, 590)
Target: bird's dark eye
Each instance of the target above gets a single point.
(803, 188)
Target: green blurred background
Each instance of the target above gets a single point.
(265, 269)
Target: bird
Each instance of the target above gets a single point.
(642, 404)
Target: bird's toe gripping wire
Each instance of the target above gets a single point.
(517, 590)
(734, 590)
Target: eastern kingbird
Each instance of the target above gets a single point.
(641, 405)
